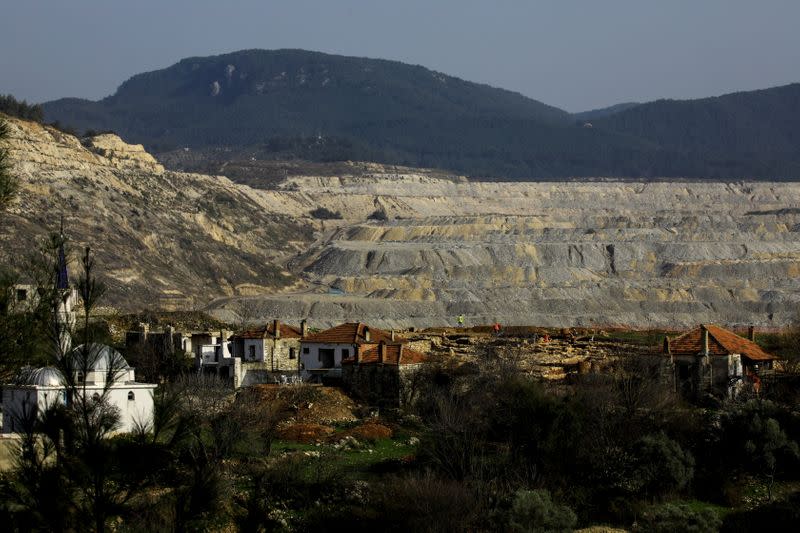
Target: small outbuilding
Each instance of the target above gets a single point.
(383, 374)
(713, 360)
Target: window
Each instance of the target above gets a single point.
(345, 353)
(306, 350)
(80, 377)
(96, 397)
(22, 295)
(326, 357)
(683, 372)
(291, 353)
(252, 353)
(131, 396)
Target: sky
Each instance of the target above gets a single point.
(573, 54)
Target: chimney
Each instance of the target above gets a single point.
(223, 343)
(303, 328)
(392, 335)
(367, 336)
(666, 345)
(381, 352)
(751, 333)
(276, 326)
(169, 339)
(704, 339)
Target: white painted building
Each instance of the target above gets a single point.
(322, 353)
(96, 368)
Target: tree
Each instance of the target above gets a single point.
(8, 182)
(67, 453)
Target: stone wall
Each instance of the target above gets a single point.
(282, 355)
(381, 385)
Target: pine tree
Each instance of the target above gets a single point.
(8, 182)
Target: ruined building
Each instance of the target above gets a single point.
(713, 360)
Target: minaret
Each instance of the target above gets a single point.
(65, 306)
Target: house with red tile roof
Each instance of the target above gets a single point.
(268, 353)
(711, 359)
(383, 374)
(323, 352)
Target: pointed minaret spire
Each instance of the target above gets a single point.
(62, 278)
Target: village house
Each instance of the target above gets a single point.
(323, 352)
(270, 353)
(166, 342)
(34, 390)
(385, 374)
(713, 360)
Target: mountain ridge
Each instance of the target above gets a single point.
(326, 107)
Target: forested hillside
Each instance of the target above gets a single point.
(755, 133)
(318, 107)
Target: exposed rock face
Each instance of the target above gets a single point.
(554, 254)
(123, 156)
(549, 254)
(162, 239)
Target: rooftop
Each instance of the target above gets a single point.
(391, 356)
(350, 333)
(268, 332)
(720, 342)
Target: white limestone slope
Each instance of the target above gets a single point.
(556, 254)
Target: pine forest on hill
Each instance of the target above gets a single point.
(294, 104)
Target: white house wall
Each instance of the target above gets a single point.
(312, 359)
(16, 402)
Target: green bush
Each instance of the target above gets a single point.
(669, 518)
(534, 511)
(323, 213)
(663, 467)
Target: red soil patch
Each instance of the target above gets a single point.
(370, 431)
(304, 433)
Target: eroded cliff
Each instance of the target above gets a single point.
(411, 248)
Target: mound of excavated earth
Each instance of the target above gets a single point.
(412, 248)
(552, 254)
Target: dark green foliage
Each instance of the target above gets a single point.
(20, 109)
(669, 518)
(661, 466)
(297, 104)
(749, 133)
(323, 213)
(439, 504)
(777, 517)
(378, 214)
(9, 185)
(533, 511)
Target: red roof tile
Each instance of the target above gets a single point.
(349, 333)
(370, 354)
(268, 332)
(720, 342)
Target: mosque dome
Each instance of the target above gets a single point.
(98, 357)
(48, 376)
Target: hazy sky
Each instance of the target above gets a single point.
(574, 54)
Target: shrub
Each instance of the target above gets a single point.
(428, 503)
(378, 214)
(669, 518)
(534, 511)
(323, 213)
(662, 466)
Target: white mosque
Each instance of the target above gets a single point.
(97, 370)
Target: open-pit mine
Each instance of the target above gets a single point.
(411, 248)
